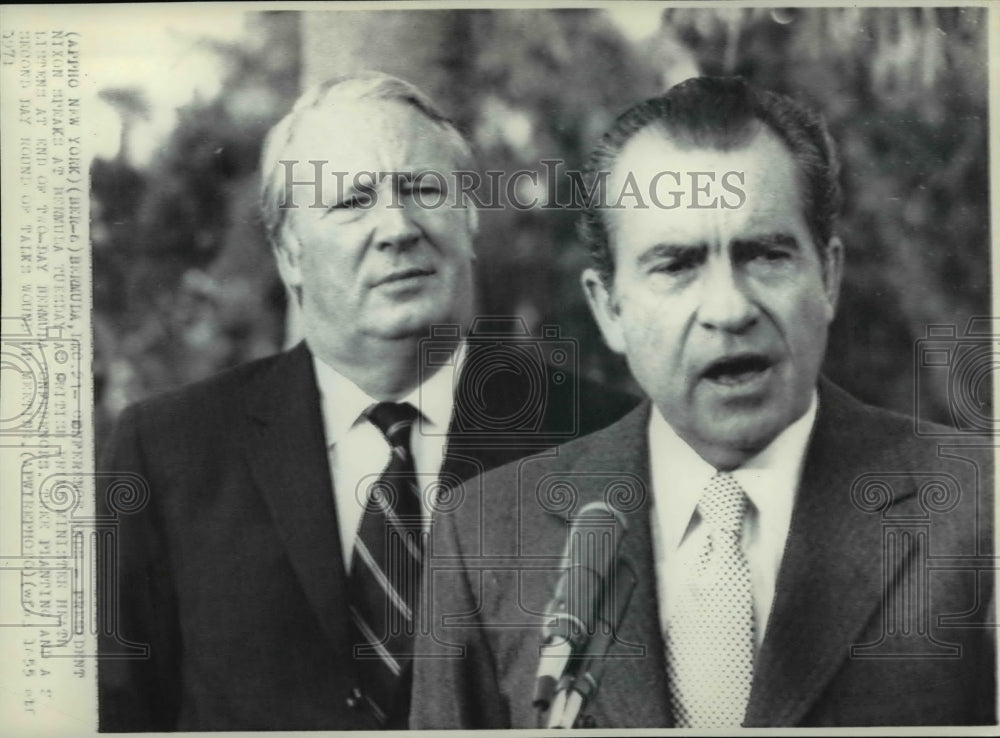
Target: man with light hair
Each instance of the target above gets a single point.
(271, 580)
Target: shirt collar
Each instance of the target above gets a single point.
(343, 402)
(770, 478)
(681, 472)
(435, 398)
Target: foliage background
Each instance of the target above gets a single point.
(184, 284)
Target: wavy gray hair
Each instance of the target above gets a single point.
(327, 95)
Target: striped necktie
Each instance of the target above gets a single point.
(385, 569)
(710, 638)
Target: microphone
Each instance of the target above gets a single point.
(575, 694)
(591, 550)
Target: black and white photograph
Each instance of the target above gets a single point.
(441, 366)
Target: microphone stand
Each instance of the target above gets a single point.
(573, 613)
(582, 676)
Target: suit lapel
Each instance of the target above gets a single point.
(286, 452)
(830, 580)
(633, 689)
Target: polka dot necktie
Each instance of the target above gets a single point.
(710, 637)
(385, 568)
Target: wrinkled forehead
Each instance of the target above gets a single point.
(749, 186)
(760, 156)
(377, 135)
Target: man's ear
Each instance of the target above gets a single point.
(605, 309)
(288, 254)
(833, 271)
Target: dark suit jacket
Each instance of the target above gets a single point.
(227, 561)
(881, 611)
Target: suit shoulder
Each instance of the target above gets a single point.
(510, 503)
(587, 453)
(218, 392)
(214, 389)
(892, 431)
(197, 426)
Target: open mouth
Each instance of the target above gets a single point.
(735, 370)
(405, 274)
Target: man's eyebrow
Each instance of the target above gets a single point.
(671, 251)
(785, 240)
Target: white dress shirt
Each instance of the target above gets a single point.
(357, 450)
(770, 480)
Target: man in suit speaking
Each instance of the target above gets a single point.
(266, 569)
(781, 554)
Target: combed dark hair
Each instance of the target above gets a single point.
(722, 113)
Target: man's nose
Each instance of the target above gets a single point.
(726, 304)
(394, 227)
